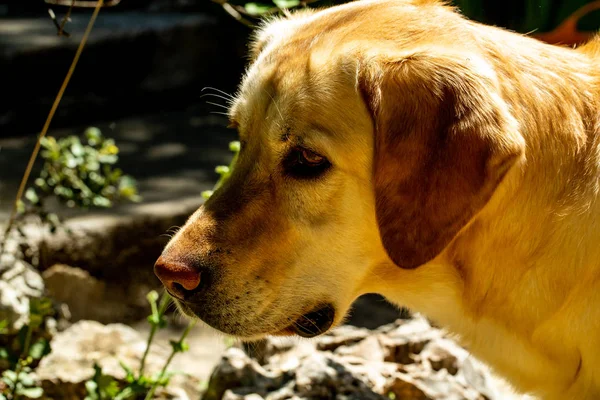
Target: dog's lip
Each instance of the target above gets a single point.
(313, 323)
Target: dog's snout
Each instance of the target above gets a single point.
(180, 278)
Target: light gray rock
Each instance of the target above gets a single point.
(63, 373)
(19, 282)
(76, 289)
(409, 360)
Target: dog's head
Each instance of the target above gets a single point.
(367, 145)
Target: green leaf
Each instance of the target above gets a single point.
(257, 8)
(40, 307)
(179, 347)
(286, 3)
(39, 349)
(108, 158)
(157, 320)
(32, 393)
(128, 371)
(77, 149)
(3, 326)
(93, 135)
(92, 390)
(126, 393)
(10, 375)
(32, 196)
(206, 194)
(101, 201)
(222, 170)
(26, 379)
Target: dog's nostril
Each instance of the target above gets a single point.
(178, 277)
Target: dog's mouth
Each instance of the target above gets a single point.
(314, 323)
(308, 325)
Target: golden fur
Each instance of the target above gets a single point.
(464, 185)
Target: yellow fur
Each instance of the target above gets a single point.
(520, 283)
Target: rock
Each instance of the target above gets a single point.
(19, 282)
(63, 373)
(241, 395)
(441, 357)
(403, 387)
(342, 336)
(408, 340)
(237, 370)
(74, 287)
(369, 349)
(321, 376)
(408, 359)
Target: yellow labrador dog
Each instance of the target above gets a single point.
(395, 147)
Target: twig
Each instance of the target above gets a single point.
(57, 100)
(229, 9)
(66, 18)
(59, 27)
(84, 3)
(240, 14)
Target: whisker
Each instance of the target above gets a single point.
(220, 113)
(228, 100)
(218, 105)
(219, 91)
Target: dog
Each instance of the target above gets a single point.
(396, 147)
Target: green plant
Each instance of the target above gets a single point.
(103, 387)
(15, 209)
(78, 174)
(224, 170)
(17, 380)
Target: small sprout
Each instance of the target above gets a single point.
(235, 146)
(222, 170)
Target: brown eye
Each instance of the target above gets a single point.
(310, 157)
(302, 163)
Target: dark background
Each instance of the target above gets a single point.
(148, 56)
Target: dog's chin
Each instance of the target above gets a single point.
(311, 324)
(314, 323)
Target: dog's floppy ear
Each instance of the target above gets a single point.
(444, 140)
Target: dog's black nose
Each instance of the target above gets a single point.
(180, 278)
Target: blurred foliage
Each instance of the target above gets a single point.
(140, 385)
(78, 174)
(24, 352)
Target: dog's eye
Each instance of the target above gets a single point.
(305, 163)
(309, 157)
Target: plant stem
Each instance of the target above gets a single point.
(21, 362)
(171, 356)
(46, 126)
(165, 300)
